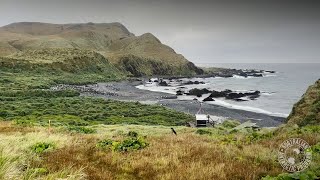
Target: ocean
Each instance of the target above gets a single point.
(279, 91)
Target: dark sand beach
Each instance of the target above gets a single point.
(126, 91)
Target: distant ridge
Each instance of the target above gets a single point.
(143, 55)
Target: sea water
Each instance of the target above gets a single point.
(279, 91)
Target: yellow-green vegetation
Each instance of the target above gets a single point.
(65, 60)
(148, 152)
(138, 66)
(307, 110)
(26, 98)
(112, 40)
(42, 68)
(82, 111)
(132, 142)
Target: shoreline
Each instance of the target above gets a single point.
(127, 91)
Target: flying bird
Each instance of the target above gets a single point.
(174, 132)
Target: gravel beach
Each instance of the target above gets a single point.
(126, 91)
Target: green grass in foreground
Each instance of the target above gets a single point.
(140, 152)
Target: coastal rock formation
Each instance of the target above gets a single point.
(227, 73)
(228, 94)
(179, 93)
(208, 99)
(193, 82)
(270, 72)
(198, 92)
(251, 95)
(216, 94)
(162, 83)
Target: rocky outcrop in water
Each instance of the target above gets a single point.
(193, 82)
(198, 92)
(227, 73)
(236, 96)
(162, 83)
(217, 94)
(208, 99)
(228, 94)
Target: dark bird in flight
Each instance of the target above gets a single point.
(174, 132)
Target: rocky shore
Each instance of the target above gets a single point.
(127, 91)
(222, 72)
(227, 94)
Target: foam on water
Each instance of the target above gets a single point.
(171, 90)
(245, 108)
(153, 87)
(279, 90)
(242, 77)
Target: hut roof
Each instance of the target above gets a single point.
(201, 117)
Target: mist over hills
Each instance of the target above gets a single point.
(134, 55)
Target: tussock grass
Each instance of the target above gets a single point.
(186, 156)
(15, 151)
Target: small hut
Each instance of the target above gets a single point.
(207, 120)
(202, 120)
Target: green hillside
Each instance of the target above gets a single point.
(67, 60)
(138, 66)
(112, 40)
(26, 98)
(307, 110)
(46, 67)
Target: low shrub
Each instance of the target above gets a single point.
(24, 123)
(41, 147)
(130, 144)
(81, 129)
(255, 136)
(203, 131)
(81, 111)
(230, 123)
(103, 144)
(133, 134)
(316, 148)
(133, 142)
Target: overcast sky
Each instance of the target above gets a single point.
(203, 31)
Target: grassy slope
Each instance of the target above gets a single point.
(307, 110)
(54, 65)
(217, 154)
(138, 66)
(239, 155)
(26, 98)
(112, 40)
